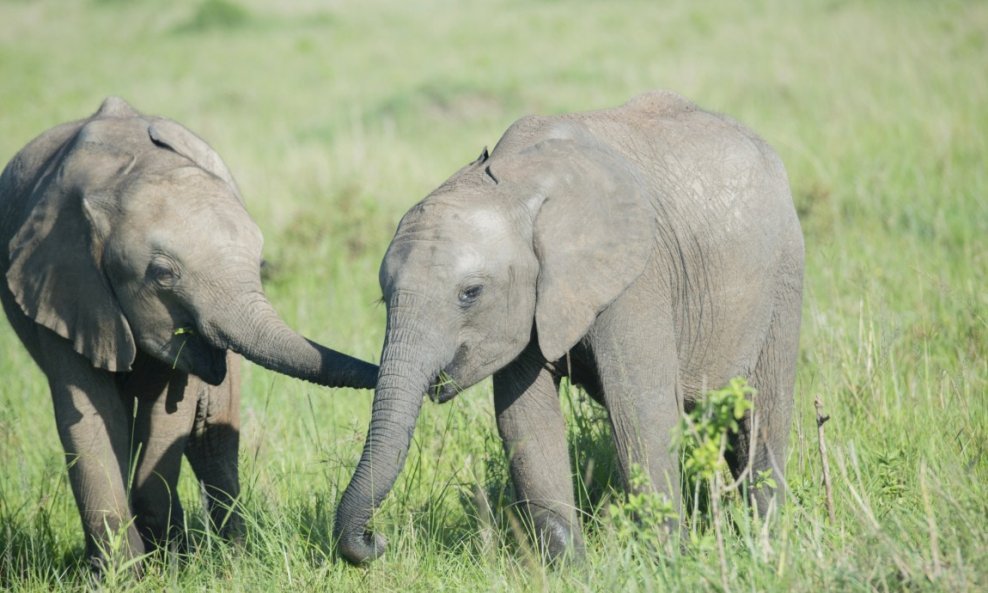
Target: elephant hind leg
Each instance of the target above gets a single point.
(774, 379)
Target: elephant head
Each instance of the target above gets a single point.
(525, 244)
(139, 239)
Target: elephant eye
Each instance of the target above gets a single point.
(469, 294)
(161, 273)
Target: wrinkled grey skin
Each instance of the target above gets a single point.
(132, 274)
(650, 252)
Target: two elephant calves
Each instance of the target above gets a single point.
(646, 251)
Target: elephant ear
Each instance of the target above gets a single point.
(177, 138)
(593, 236)
(55, 272)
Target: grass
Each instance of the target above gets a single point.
(337, 117)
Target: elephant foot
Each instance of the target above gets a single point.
(559, 542)
(231, 528)
(102, 560)
(161, 531)
(225, 517)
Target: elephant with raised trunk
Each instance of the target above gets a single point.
(132, 275)
(649, 252)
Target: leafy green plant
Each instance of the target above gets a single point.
(643, 513)
(703, 433)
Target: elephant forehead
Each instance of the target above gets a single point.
(429, 264)
(442, 241)
(487, 225)
(423, 254)
(445, 230)
(459, 221)
(187, 229)
(188, 201)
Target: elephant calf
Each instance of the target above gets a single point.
(132, 276)
(648, 251)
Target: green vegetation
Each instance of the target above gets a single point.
(337, 117)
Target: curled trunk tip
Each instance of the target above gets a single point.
(360, 548)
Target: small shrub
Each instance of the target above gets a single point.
(703, 433)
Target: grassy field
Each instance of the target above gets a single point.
(336, 117)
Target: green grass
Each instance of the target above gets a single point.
(337, 117)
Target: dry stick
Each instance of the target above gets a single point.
(821, 419)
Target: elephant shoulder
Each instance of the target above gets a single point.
(657, 104)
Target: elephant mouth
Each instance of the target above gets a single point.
(193, 354)
(444, 388)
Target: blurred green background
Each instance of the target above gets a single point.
(336, 117)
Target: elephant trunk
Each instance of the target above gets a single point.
(253, 328)
(407, 372)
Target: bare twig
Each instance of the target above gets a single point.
(821, 419)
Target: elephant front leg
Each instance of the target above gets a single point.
(213, 450)
(94, 429)
(165, 412)
(533, 431)
(635, 354)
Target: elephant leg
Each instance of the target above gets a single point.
(533, 431)
(94, 429)
(165, 412)
(213, 449)
(634, 349)
(774, 379)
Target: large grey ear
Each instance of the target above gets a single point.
(55, 269)
(179, 139)
(593, 236)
